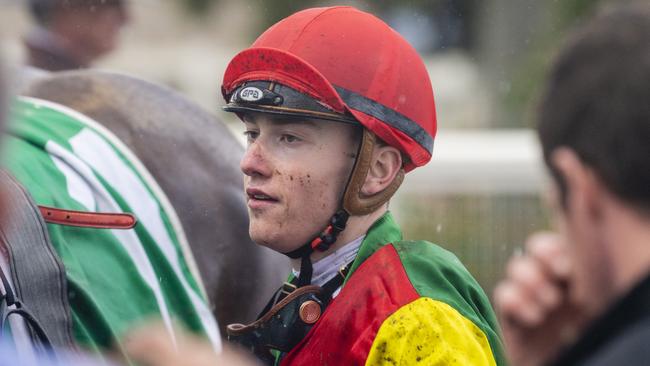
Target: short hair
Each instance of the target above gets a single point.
(597, 103)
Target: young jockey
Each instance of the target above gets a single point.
(337, 108)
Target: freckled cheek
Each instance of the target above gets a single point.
(307, 190)
(323, 195)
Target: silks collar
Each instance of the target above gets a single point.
(327, 267)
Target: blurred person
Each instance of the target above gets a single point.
(334, 118)
(11, 357)
(150, 344)
(72, 34)
(582, 296)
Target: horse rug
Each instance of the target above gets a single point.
(116, 278)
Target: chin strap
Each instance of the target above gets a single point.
(352, 203)
(321, 243)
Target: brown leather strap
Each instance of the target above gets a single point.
(353, 202)
(98, 220)
(237, 328)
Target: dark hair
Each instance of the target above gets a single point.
(597, 103)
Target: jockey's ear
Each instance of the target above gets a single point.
(385, 165)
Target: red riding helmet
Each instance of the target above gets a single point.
(351, 63)
(343, 65)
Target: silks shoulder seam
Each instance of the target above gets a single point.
(438, 274)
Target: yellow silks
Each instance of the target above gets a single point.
(429, 332)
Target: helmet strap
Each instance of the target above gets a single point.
(352, 204)
(339, 220)
(321, 243)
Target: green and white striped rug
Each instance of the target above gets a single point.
(116, 278)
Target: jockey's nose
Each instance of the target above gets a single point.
(254, 163)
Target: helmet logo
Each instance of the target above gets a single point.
(251, 94)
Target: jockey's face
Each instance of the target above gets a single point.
(295, 172)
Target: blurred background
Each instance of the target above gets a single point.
(483, 192)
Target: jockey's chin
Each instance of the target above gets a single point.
(279, 227)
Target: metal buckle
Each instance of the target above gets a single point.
(343, 271)
(288, 288)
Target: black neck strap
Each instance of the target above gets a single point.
(325, 239)
(321, 243)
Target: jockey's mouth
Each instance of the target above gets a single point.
(257, 196)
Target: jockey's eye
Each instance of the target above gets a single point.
(251, 135)
(289, 138)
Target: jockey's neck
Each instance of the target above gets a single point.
(357, 226)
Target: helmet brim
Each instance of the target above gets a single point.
(261, 63)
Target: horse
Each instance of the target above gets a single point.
(194, 158)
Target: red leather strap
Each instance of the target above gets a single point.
(98, 220)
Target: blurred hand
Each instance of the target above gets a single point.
(151, 345)
(533, 305)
